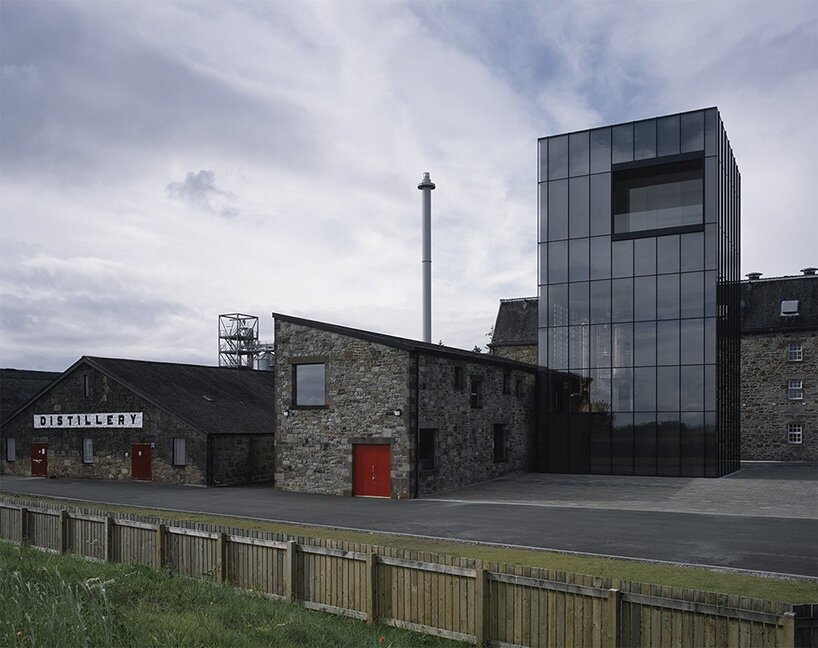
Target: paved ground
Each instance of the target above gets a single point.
(762, 518)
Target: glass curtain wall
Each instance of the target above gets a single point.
(639, 303)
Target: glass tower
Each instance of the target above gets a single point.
(639, 300)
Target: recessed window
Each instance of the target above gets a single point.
(795, 433)
(518, 387)
(426, 449)
(476, 392)
(506, 382)
(179, 458)
(87, 450)
(658, 197)
(459, 378)
(795, 389)
(309, 385)
(795, 353)
(11, 449)
(86, 385)
(500, 442)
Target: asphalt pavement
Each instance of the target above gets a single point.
(530, 510)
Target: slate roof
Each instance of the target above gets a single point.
(761, 304)
(405, 344)
(213, 400)
(516, 322)
(18, 386)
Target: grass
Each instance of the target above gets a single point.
(67, 602)
(787, 591)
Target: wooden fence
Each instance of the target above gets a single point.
(485, 603)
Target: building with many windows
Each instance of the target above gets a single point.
(639, 298)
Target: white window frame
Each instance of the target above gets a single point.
(795, 389)
(178, 450)
(795, 433)
(795, 353)
(87, 450)
(11, 449)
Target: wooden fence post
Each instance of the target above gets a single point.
(787, 637)
(613, 618)
(290, 571)
(371, 588)
(161, 531)
(221, 552)
(481, 604)
(109, 539)
(63, 531)
(23, 524)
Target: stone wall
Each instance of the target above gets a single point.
(111, 446)
(519, 352)
(464, 435)
(765, 407)
(242, 458)
(366, 383)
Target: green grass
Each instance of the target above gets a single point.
(67, 602)
(787, 591)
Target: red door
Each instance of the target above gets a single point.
(141, 461)
(39, 460)
(371, 466)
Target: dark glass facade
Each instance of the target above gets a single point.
(639, 298)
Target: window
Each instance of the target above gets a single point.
(500, 442)
(795, 389)
(518, 387)
(506, 382)
(87, 450)
(476, 392)
(658, 197)
(11, 449)
(309, 385)
(795, 353)
(179, 452)
(426, 450)
(459, 379)
(789, 308)
(86, 386)
(795, 433)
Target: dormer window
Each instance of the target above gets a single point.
(789, 308)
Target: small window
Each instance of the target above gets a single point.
(518, 387)
(426, 450)
(506, 382)
(795, 353)
(459, 378)
(178, 451)
(795, 433)
(789, 308)
(500, 442)
(309, 385)
(795, 390)
(86, 386)
(11, 449)
(476, 392)
(87, 450)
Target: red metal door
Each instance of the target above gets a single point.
(371, 467)
(141, 461)
(39, 460)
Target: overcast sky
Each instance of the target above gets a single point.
(163, 162)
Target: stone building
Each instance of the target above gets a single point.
(18, 386)
(779, 368)
(362, 413)
(514, 334)
(107, 418)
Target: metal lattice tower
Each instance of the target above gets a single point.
(238, 343)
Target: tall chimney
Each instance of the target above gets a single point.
(426, 185)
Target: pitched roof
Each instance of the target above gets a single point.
(761, 304)
(405, 343)
(516, 322)
(213, 400)
(18, 386)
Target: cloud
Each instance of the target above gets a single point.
(199, 191)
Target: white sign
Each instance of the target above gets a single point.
(101, 420)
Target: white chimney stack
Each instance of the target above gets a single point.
(426, 185)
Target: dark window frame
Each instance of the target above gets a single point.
(174, 452)
(86, 385)
(294, 404)
(10, 454)
(87, 458)
(423, 459)
(518, 388)
(507, 382)
(501, 449)
(459, 378)
(476, 392)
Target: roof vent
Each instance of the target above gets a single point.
(789, 308)
(808, 272)
(753, 276)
